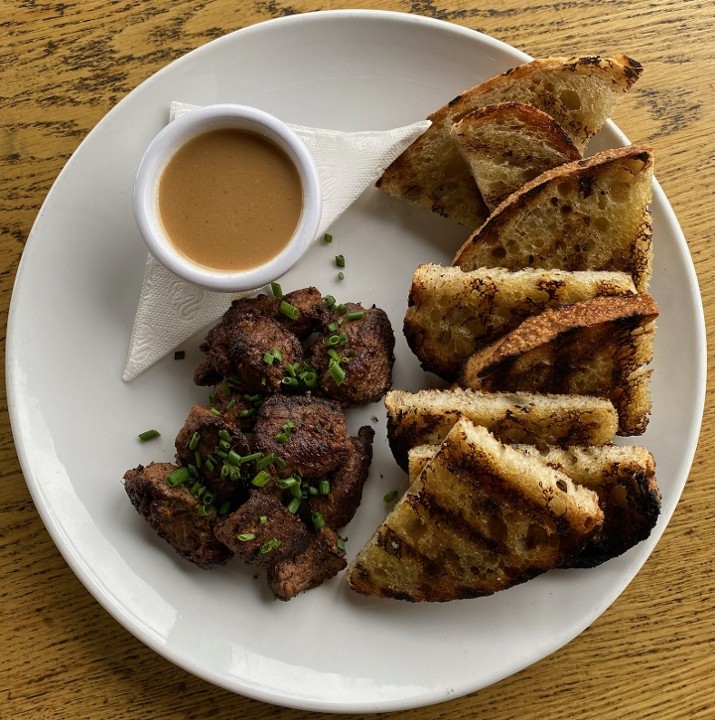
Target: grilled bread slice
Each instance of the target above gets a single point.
(600, 346)
(481, 517)
(426, 416)
(508, 144)
(624, 479)
(452, 314)
(592, 214)
(579, 93)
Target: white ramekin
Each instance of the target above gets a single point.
(160, 152)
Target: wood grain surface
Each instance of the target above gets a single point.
(63, 65)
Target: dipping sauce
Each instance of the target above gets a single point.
(230, 199)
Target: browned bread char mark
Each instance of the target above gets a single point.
(592, 214)
(595, 347)
(481, 517)
(624, 479)
(426, 416)
(508, 144)
(579, 93)
(452, 314)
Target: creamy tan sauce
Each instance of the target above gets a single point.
(230, 199)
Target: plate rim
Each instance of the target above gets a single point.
(79, 565)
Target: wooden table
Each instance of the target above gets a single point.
(62, 67)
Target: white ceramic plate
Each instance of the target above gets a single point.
(75, 422)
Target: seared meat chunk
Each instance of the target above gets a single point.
(308, 433)
(308, 301)
(174, 513)
(262, 531)
(323, 558)
(237, 407)
(203, 442)
(206, 374)
(340, 504)
(252, 349)
(362, 343)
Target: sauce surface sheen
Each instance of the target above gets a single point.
(230, 199)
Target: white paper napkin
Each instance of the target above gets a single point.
(172, 310)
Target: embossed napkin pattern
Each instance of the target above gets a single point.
(170, 310)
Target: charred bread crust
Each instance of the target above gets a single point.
(431, 172)
(478, 519)
(426, 416)
(576, 216)
(600, 347)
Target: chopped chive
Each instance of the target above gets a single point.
(263, 519)
(285, 483)
(215, 411)
(193, 470)
(178, 476)
(337, 373)
(340, 544)
(245, 537)
(234, 458)
(224, 434)
(340, 261)
(341, 275)
(179, 355)
(205, 509)
(329, 301)
(318, 520)
(230, 404)
(149, 435)
(327, 238)
(290, 311)
(290, 382)
(246, 412)
(210, 465)
(342, 309)
(391, 496)
(356, 315)
(296, 491)
(309, 379)
(264, 461)
(324, 487)
(285, 433)
(276, 289)
(261, 479)
(268, 357)
(269, 546)
(193, 443)
(293, 505)
(251, 458)
(279, 462)
(207, 498)
(197, 489)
